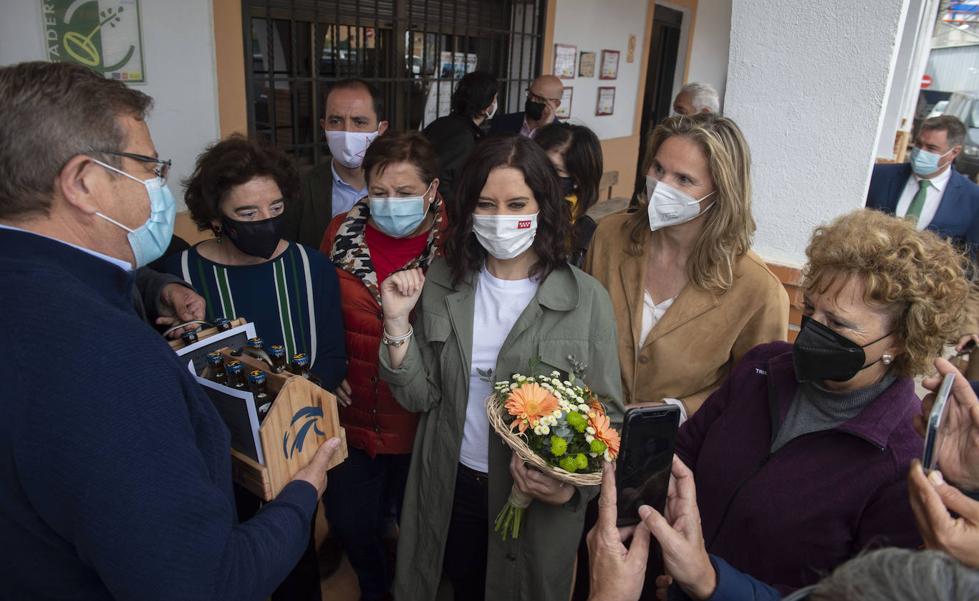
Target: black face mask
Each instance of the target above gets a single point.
(533, 110)
(255, 238)
(819, 354)
(567, 186)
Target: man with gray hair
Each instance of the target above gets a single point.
(697, 98)
(115, 475)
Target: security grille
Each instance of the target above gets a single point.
(413, 51)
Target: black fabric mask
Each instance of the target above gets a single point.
(819, 354)
(567, 186)
(255, 238)
(533, 110)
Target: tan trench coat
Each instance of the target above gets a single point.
(570, 316)
(691, 349)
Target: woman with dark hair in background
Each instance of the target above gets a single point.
(455, 136)
(576, 154)
(503, 297)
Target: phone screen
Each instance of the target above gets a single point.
(642, 470)
(932, 436)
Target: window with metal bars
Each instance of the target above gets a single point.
(413, 51)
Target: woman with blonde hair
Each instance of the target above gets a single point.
(690, 297)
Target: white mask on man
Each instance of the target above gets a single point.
(490, 113)
(505, 236)
(349, 147)
(669, 206)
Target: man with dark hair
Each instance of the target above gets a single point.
(455, 135)
(115, 475)
(929, 190)
(351, 120)
(540, 108)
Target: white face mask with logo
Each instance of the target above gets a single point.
(669, 206)
(505, 236)
(349, 147)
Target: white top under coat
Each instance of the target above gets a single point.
(498, 304)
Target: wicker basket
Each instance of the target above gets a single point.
(495, 413)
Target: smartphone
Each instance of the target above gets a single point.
(642, 470)
(932, 435)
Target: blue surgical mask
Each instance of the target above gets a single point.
(150, 240)
(924, 162)
(398, 216)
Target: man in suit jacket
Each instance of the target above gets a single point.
(543, 99)
(929, 189)
(351, 120)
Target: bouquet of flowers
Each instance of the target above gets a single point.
(557, 425)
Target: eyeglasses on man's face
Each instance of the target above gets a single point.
(161, 168)
(535, 97)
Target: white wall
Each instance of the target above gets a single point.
(807, 83)
(711, 44)
(178, 50)
(909, 66)
(593, 26)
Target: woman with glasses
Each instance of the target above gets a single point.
(290, 292)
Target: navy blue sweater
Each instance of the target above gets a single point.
(115, 476)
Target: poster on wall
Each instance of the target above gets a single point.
(564, 57)
(103, 35)
(438, 101)
(586, 64)
(610, 64)
(606, 101)
(564, 109)
(453, 65)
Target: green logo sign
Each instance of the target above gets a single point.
(103, 35)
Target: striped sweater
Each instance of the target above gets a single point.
(293, 300)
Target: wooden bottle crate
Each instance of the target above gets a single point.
(302, 417)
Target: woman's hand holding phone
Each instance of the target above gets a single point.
(947, 519)
(958, 453)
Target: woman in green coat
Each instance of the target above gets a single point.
(502, 298)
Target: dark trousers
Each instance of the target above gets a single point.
(465, 548)
(363, 498)
(303, 582)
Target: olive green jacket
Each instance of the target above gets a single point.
(569, 319)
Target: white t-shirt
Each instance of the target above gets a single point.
(498, 305)
(933, 197)
(651, 314)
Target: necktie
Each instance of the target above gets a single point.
(918, 202)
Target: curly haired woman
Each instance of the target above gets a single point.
(800, 458)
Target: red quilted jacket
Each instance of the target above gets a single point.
(374, 422)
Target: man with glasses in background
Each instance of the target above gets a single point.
(540, 109)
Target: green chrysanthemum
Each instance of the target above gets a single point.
(559, 446)
(577, 421)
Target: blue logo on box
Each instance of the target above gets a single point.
(311, 415)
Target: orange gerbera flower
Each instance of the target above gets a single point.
(529, 403)
(605, 432)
